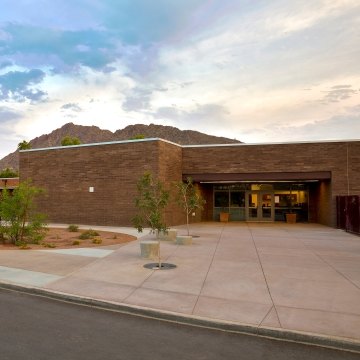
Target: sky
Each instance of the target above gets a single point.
(254, 70)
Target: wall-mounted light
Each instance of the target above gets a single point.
(91, 189)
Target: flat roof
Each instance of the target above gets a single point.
(100, 144)
(189, 146)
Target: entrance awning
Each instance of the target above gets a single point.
(256, 177)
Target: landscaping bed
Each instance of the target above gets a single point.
(60, 238)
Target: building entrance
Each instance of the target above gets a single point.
(261, 201)
(260, 206)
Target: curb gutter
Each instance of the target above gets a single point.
(272, 333)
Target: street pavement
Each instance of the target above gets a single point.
(267, 277)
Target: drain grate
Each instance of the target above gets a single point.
(164, 266)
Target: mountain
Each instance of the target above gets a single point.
(93, 134)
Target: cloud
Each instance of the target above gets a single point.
(147, 22)
(65, 50)
(203, 115)
(72, 106)
(338, 93)
(6, 63)
(138, 100)
(18, 85)
(7, 114)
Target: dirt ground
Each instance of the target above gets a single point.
(64, 239)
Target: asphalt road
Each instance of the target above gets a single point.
(33, 327)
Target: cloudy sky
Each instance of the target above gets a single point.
(255, 70)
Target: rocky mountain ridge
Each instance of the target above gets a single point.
(93, 134)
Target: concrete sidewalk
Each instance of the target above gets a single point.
(299, 277)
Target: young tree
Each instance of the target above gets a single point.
(151, 201)
(24, 145)
(19, 220)
(188, 199)
(69, 140)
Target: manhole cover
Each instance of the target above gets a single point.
(155, 266)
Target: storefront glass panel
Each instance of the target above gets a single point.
(261, 202)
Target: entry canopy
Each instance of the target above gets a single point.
(255, 177)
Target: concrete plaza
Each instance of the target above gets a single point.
(298, 277)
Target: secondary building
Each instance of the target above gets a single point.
(96, 183)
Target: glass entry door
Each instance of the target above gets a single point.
(260, 206)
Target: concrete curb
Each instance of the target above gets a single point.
(271, 333)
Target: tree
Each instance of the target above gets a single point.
(69, 140)
(21, 223)
(8, 173)
(151, 201)
(137, 137)
(24, 145)
(188, 199)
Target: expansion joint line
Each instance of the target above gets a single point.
(267, 285)
(207, 273)
(327, 263)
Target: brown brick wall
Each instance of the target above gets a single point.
(170, 172)
(298, 157)
(112, 169)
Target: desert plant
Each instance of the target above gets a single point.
(88, 234)
(151, 201)
(24, 145)
(76, 242)
(69, 140)
(188, 199)
(97, 241)
(20, 221)
(48, 245)
(73, 228)
(137, 137)
(8, 173)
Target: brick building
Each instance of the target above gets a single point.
(96, 183)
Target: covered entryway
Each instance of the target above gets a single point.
(260, 206)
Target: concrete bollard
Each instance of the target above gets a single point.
(184, 240)
(170, 235)
(149, 249)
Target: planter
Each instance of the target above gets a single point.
(184, 240)
(149, 249)
(291, 218)
(170, 235)
(224, 217)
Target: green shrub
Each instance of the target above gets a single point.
(22, 245)
(48, 245)
(88, 234)
(20, 220)
(73, 228)
(76, 242)
(97, 241)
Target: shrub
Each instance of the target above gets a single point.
(73, 228)
(76, 242)
(8, 173)
(20, 220)
(97, 241)
(48, 245)
(88, 234)
(69, 140)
